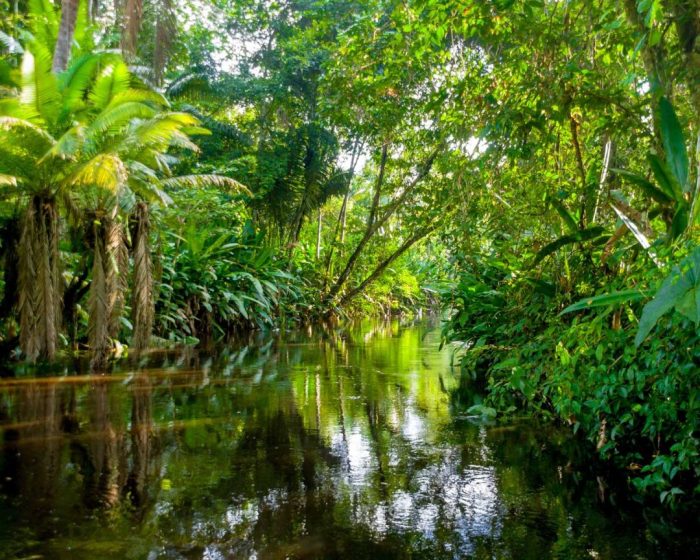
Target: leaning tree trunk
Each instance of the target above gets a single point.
(142, 303)
(107, 289)
(39, 282)
(64, 40)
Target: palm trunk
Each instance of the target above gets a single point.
(64, 41)
(107, 289)
(39, 280)
(142, 303)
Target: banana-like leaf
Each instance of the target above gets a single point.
(638, 235)
(674, 143)
(649, 188)
(680, 290)
(665, 178)
(680, 220)
(581, 235)
(564, 213)
(604, 300)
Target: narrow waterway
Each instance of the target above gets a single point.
(317, 445)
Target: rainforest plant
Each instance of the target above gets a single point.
(94, 140)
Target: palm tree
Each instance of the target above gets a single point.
(95, 140)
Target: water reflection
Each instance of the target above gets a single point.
(323, 445)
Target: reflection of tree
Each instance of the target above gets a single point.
(304, 448)
(102, 451)
(33, 444)
(141, 440)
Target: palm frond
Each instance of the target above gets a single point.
(39, 96)
(78, 77)
(142, 96)
(113, 80)
(8, 123)
(117, 116)
(105, 171)
(159, 131)
(67, 146)
(199, 181)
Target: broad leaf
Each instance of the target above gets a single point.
(564, 213)
(674, 143)
(583, 235)
(604, 300)
(649, 188)
(680, 290)
(665, 178)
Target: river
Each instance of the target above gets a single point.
(343, 444)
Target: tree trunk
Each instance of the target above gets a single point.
(107, 289)
(142, 303)
(374, 222)
(133, 13)
(386, 262)
(166, 28)
(64, 40)
(39, 280)
(343, 215)
(9, 234)
(369, 232)
(318, 235)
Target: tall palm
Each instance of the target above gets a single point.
(95, 140)
(32, 123)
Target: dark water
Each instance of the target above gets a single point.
(342, 445)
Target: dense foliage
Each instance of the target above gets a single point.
(184, 170)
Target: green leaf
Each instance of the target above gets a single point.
(241, 306)
(647, 187)
(680, 220)
(665, 178)
(564, 213)
(674, 143)
(484, 411)
(582, 235)
(604, 300)
(679, 290)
